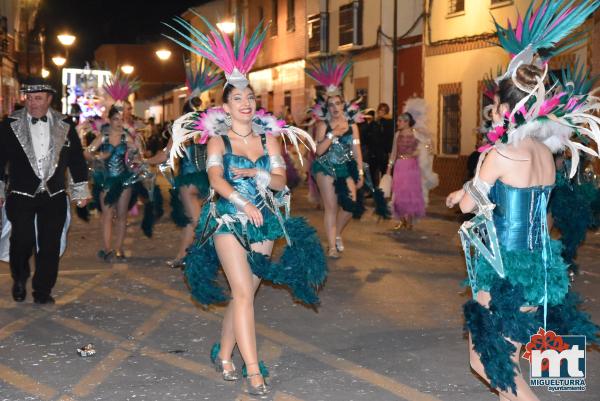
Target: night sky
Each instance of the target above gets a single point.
(96, 22)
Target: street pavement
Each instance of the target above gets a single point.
(389, 326)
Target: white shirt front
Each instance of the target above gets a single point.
(40, 138)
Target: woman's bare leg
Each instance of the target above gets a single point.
(238, 323)
(524, 392)
(106, 222)
(121, 223)
(192, 206)
(343, 217)
(330, 206)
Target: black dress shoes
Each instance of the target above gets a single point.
(18, 291)
(43, 299)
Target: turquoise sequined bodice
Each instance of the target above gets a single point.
(518, 215)
(341, 151)
(115, 164)
(246, 186)
(194, 159)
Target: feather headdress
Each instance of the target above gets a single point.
(120, 86)
(330, 73)
(236, 59)
(551, 116)
(201, 126)
(543, 31)
(200, 77)
(417, 107)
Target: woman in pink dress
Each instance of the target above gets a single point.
(407, 193)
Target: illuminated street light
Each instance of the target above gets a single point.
(127, 69)
(163, 54)
(227, 27)
(66, 39)
(45, 73)
(59, 61)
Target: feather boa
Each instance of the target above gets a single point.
(201, 126)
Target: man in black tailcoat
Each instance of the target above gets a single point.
(37, 146)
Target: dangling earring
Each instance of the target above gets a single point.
(227, 119)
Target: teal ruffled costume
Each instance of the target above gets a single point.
(113, 176)
(535, 274)
(302, 266)
(338, 162)
(192, 171)
(574, 211)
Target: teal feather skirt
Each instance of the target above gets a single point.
(340, 173)
(302, 267)
(197, 179)
(523, 285)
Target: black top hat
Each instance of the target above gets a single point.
(36, 84)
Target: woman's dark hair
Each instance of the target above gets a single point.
(227, 91)
(385, 107)
(526, 76)
(408, 117)
(191, 105)
(112, 111)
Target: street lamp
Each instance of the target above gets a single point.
(59, 61)
(45, 73)
(227, 27)
(163, 55)
(67, 41)
(127, 69)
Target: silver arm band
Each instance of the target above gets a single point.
(277, 161)
(479, 190)
(238, 200)
(329, 136)
(356, 141)
(92, 149)
(263, 178)
(214, 161)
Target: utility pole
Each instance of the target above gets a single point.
(395, 77)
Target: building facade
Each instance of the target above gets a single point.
(20, 50)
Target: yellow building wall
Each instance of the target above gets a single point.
(468, 68)
(369, 69)
(475, 20)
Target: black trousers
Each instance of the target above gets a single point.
(51, 213)
(378, 167)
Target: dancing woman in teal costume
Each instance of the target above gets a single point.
(189, 180)
(517, 276)
(113, 181)
(338, 166)
(249, 208)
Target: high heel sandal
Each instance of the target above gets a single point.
(339, 244)
(332, 253)
(219, 364)
(261, 389)
(178, 263)
(120, 256)
(106, 255)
